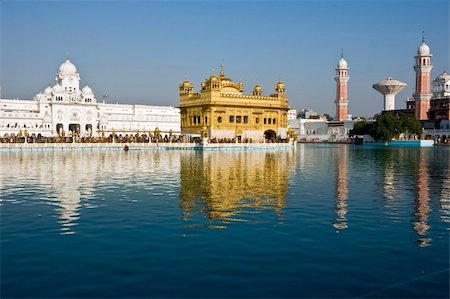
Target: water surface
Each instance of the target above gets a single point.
(321, 221)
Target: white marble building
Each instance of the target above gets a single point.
(292, 114)
(441, 86)
(65, 108)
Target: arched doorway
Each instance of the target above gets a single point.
(74, 128)
(59, 129)
(89, 129)
(270, 135)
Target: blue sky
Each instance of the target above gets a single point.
(139, 51)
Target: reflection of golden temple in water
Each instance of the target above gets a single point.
(71, 179)
(224, 185)
(341, 188)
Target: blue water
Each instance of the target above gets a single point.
(321, 221)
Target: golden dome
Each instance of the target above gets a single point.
(186, 84)
(224, 78)
(257, 90)
(280, 85)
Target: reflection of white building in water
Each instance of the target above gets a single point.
(73, 182)
(65, 107)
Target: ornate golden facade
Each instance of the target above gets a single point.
(222, 110)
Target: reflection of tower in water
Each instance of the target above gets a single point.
(422, 207)
(227, 186)
(445, 189)
(341, 188)
(388, 186)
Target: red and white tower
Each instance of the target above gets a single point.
(422, 94)
(341, 89)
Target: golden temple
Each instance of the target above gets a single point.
(221, 110)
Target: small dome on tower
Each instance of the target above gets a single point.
(186, 84)
(58, 88)
(48, 90)
(423, 49)
(86, 90)
(68, 68)
(342, 64)
(280, 85)
(257, 90)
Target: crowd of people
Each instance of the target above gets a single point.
(109, 139)
(126, 139)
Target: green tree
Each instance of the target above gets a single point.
(410, 124)
(361, 127)
(390, 125)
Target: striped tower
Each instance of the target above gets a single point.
(341, 89)
(422, 93)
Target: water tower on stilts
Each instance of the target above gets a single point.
(389, 88)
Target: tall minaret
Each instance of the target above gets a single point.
(341, 89)
(423, 68)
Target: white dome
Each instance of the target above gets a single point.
(342, 64)
(48, 90)
(443, 77)
(58, 88)
(68, 68)
(39, 96)
(423, 49)
(86, 90)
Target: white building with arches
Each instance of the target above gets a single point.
(64, 108)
